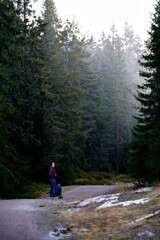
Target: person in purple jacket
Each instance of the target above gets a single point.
(52, 179)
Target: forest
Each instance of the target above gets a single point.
(86, 105)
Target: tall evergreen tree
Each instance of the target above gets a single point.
(145, 147)
(111, 69)
(61, 49)
(132, 51)
(72, 113)
(8, 51)
(93, 122)
(53, 85)
(20, 68)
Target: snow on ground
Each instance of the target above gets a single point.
(110, 197)
(111, 200)
(124, 204)
(149, 189)
(146, 217)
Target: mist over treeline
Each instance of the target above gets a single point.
(65, 98)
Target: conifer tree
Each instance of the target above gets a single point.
(61, 50)
(145, 147)
(111, 69)
(132, 51)
(20, 72)
(93, 115)
(53, 85)
(8, 51)
(73, 137)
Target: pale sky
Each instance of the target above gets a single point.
(96, 16)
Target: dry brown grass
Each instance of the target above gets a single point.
(98, 223)
(110, 221)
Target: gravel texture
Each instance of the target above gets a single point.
(25, 219)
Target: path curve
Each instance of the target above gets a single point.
(26, 219)
(90, 190)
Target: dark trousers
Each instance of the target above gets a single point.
(53, 187)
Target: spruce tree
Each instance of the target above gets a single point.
(145, 147)
(20, 70)
(110, 66)
(73, 136)
(8, 51)
(93, 115)
(132, 51)
(53, 85)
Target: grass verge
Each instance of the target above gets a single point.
(114, 222)
(101, 178)
(35, 190)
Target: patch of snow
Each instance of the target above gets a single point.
(80, 229)
(146, 217)
(73, 202)
(84, 229)
(60, 233)
(98, 199)
(124, 204)
(148, 189)
(72, 211)
(69, 211)
(138, 201)
(110, 200)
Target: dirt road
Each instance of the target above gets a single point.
(22, 219)
(89, 191)
(26, 219)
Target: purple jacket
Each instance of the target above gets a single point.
(52, 173)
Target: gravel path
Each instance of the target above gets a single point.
(25, 219)
(89, 191)
(22, 220)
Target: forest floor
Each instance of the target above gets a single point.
(97, 212)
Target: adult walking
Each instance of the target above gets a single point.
(52, 179)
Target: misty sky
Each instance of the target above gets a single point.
(95, 16)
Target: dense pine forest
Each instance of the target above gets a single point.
(86, 105)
